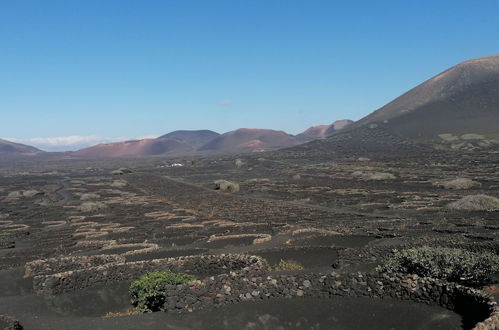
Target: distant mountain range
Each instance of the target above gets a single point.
(248, 140)
(188, 142)
(205, 141)
(457, 109)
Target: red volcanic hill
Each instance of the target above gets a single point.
(11, 148)
(174, 143)
(322, 131)
(133, 148)
(248, 139)
(195, 138)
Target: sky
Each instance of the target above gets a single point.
(75, 73)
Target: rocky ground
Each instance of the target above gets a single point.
(320, 211)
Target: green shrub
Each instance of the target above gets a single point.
(148, 292)
(455, 265)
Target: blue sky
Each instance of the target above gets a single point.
(79, 72)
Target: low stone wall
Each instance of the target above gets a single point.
(201, 265)
(233, 288)
(59, 265)
(10, 322)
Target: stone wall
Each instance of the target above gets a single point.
(59, 265)
(228, 279)
(201, 266)
(233, 288)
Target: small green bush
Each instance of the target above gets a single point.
(455, 265)
(148, 292)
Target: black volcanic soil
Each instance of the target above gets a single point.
(317, 209)
(337, 313)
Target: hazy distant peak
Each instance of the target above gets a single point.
(8, 147)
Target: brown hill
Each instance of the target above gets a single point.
(337, 125)
(457, 109)
(134, 148)
(322, 131)
(11, 148)
(461, 100)
(312, 133)
(247, 140)
(196, 138)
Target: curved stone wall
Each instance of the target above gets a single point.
(200, 265)
(59, 265)
(234, 278)
(233, 288)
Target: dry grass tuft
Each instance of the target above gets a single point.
(314, 231)
(458, 183)
(128, 312)
(91, 206)
(226, 186)
(14, 195)
(89, 197)
(475, 203)
(285, 265)
(119, 184)
(31, 193)
(259, 238)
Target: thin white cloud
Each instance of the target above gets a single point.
(65, 143)
(225, 102)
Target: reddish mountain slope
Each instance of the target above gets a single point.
(196, 138)
(146, 147)
(322, 131)
(11, 148)
(247, 140)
